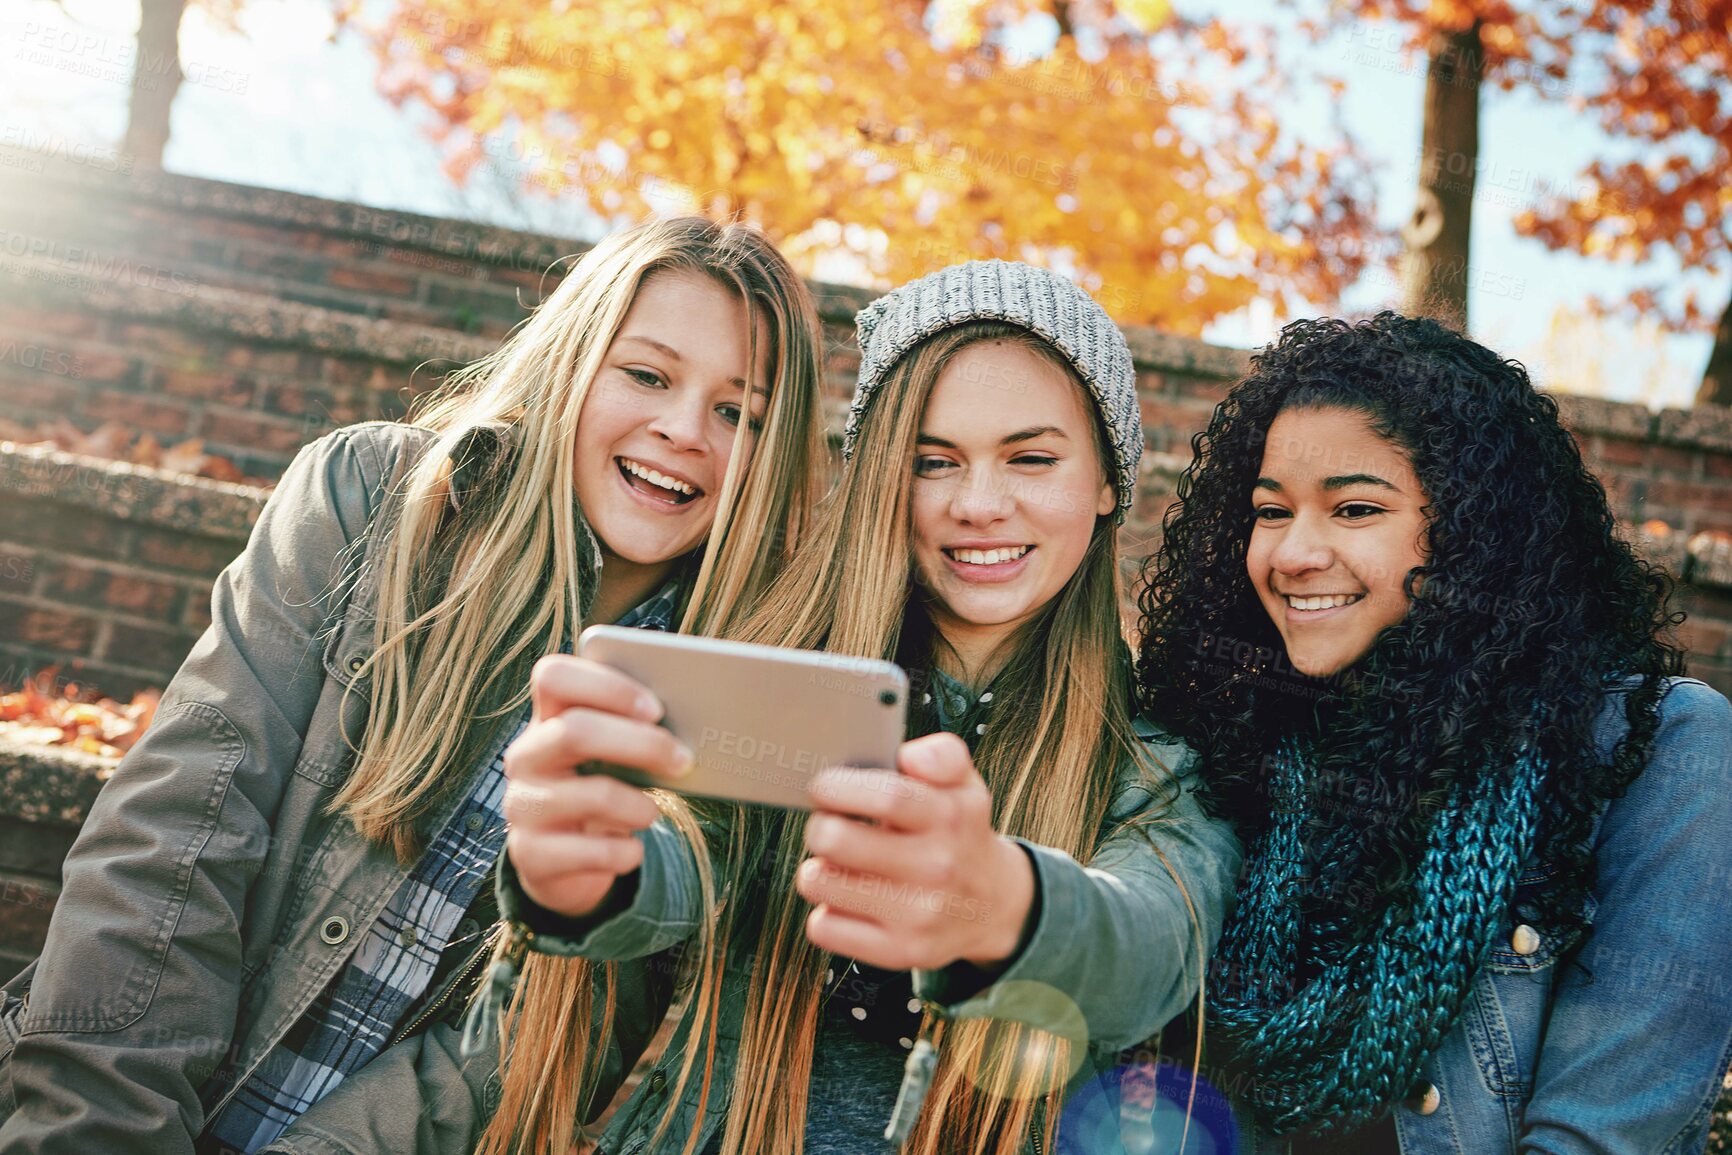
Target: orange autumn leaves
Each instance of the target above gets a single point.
(877, 141)
(39, 713)
(1651, 76)
(115, 442)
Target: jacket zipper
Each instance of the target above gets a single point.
(470, 965)
(1038, 1125)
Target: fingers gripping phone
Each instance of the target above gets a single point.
(761, 720)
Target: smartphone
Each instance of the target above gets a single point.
(762, 720)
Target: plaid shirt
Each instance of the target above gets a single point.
(354, 1018)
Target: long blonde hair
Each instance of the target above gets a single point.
(1063, 731)
(470, 597)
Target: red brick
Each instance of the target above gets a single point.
(246, 357)
(197, 615)
(225, 388)
(25, 907)
(181, 552)
(1613, 451)
(1186, 415)
(156, 338)
(371, 281)
(148, 646)
(71, 581)
(1701, 637)
(106, 367)
(58, 630)
(142, 596)
(355, 372)
(1690, 494)
(325, 407)
(1721, 523)
(18, 569)
(1675, 461)
(1716, 465)
(260, 434)
(60, 323)
(38, 521)
(168, 418)
(39, 393)
(1210, 388)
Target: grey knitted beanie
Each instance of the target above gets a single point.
(1040, 301)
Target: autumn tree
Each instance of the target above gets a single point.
(1653, 74)
(157, 75)
(1663, 89)
(1139, 153)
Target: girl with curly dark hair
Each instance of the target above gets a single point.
(1486, 826)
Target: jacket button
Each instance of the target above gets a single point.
(1525, 940)
(1425, 1099)
(356, 662)
(656, 1079)
(334, 930)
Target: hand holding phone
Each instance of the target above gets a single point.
(762, 721)
(572, 834)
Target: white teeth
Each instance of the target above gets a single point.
(1323, 602)
(655, 478)
(989, 556)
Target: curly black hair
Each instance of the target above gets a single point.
(1528, 611)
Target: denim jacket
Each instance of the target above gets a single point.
(211, 895)
(1619, 1047)
(1115, 937)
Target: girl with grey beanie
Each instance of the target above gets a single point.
(937, 956)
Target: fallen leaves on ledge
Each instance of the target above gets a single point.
(114, 441)
(46, 712)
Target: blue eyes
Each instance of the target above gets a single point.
(649, 379)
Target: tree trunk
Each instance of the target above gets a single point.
(1717, 378)
(156, 78)
(1434, 269)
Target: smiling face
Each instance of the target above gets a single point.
(657, 428)
(1339, 523)
(1008, 482)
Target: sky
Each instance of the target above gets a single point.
(283, 105)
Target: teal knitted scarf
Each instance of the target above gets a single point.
(1333, 1027)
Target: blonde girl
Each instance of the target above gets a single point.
(285, 882)
(1030, 889)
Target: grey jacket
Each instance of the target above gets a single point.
(1113, 938)
(211, 896)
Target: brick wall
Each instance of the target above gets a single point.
(259, 320)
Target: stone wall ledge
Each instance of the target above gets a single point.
(104, 173)
(1705, 426)
(49, 785)
(239, 316)
(129, 492)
